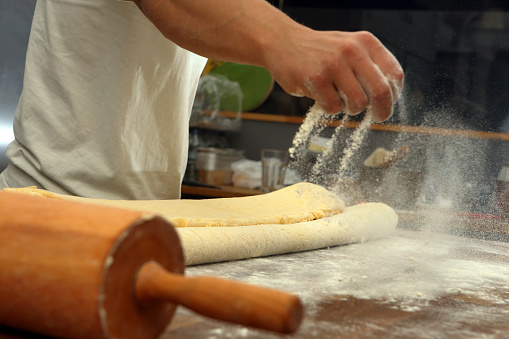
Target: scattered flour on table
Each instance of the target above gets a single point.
(408, 270)
(417, 266)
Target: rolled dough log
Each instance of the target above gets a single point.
(297, 218)
(296, 203)
(358, 223)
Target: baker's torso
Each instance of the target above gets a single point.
(105, 106)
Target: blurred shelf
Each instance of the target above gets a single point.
(383, 127)
(198, 192)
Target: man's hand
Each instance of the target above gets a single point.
(342, 71)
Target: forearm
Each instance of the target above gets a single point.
(348, 71)
(242, 31)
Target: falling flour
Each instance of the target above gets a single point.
(315, 121)
(327, 157)
(353, 145)
(306, 130)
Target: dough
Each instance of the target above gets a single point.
(357, 224)
(293, 204)
(297, 218)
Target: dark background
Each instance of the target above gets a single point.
(400, 5)
(455, 55)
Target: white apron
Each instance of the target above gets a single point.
(105, 105)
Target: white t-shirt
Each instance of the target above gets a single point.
(105, 105)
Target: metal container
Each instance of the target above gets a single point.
(215, 165)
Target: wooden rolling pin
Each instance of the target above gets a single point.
(74, 270)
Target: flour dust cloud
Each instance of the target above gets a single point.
(444, 170)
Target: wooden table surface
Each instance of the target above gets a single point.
(412, 284)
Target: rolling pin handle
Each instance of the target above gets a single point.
(221, 299)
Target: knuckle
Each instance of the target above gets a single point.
(366, 37)
(316, 83)
(350, 48)
(397, 75)
(381, 92)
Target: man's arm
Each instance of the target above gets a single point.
(340, 70)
